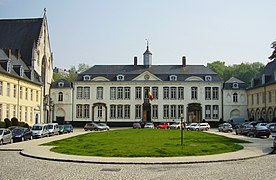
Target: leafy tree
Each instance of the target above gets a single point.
(14, 121)
(7, 122)
(273, 55)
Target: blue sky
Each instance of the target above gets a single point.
(114, 31)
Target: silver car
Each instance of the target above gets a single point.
(5, 136)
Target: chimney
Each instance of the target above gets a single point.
(8, 52)
(18, 54)
(135, 60)
(183, 61)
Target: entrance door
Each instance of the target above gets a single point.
(60, 119)
(194, 113)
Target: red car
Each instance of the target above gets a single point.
(163, 125)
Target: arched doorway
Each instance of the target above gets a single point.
(194, 113)
(100, 106)
(235, 113)
(60, 116)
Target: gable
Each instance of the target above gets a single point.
(146, 76)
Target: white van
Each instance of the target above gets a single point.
(40, 130)
(53, 129)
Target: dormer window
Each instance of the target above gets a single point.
(235, 85)
(8, 66)
(21, 71)
(208, 78)
(173, 78)
(86, 78)
(61, 84)
(120, 77)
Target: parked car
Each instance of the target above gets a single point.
(225, 127)
(93, 127)
(163, 125)
(271, 127)
(149, 125)
(21, 134)
(40, 130)
(261, 124)
(53, 129)
(5, 136)
(243, 129)
(103, 126)
(193, 126)
(274, 141)
(176, 125)
(259, 131)
(136, 125)
(204, 127)
(61, 129)
(68, 128)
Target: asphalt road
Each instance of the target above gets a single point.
(14, 166)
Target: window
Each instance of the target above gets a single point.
(270, 96)
(21, 92)
(61, 84)
(26, 93)
(173, 92)
(180, 110)
(8, 89)
(235, 85)
(120, 93)
(165, 93)
(127, 92)
(215, 93)
(86, 78)
(21, 71)
(86, 93)
(235, 97)
(1, 116)
(36, 96)
(207, 93)
(1, 88)
(138, 93)
(31, 115)
(155, 92)
(8, 111)
(194, 93)
(100, 111)
(257, 98)
(215, 111)
(207, 112)
(26, 114)
(173, 78)
(14, 110)
(99, 93)
(138, 111)
(264, 98)
(120, 77)
(120, 111)
(146, 92)
(79, 111)
(166, 111)
(173, 111)
(127, 111)
(20, 113)
(31, 95)
(60, 96)
(180, 93)
(8, 67)
(14, 91)
(113, 93)
(252, 99)
(112, 111)
(79, 92)
(155, 111)
(208, 78)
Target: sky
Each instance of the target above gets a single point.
(101, 32)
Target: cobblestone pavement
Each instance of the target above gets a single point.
(15, 166)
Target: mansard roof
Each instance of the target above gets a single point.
(66, 84)
(229, 84)
(161, 71)
(20, 34)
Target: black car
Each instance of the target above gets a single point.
(259, 131)
(68, 128)
(243, 129)
(21, 134)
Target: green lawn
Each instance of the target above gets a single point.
(145, 143)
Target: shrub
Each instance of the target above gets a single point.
(14, 121)
(7, 122)
(2, 124)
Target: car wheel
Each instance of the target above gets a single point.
(31, 138)
(22, 139)
(1, 142)
(267, 136)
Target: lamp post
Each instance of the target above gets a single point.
(181, 128)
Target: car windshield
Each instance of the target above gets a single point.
(50, 126)
(102, 124)
(37, 128)
(261, 127)
(17, 131)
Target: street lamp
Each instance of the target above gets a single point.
(181, 128)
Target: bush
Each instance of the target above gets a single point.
(2, 124)
(14, 121)
(7, 122)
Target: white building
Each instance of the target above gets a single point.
(234, 99)
(119, 94)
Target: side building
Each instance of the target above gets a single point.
(262, 95)
(123, 94)
(234, 99)
(25, 48)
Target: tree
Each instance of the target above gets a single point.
(7, 122)
(273, 55)
(14, 121)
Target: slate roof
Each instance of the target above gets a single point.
(161, 71)
(229, 84)
(20, 34)
(268, 71)
(16, 63)
(67, 84)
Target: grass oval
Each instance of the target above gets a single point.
(145, 143)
